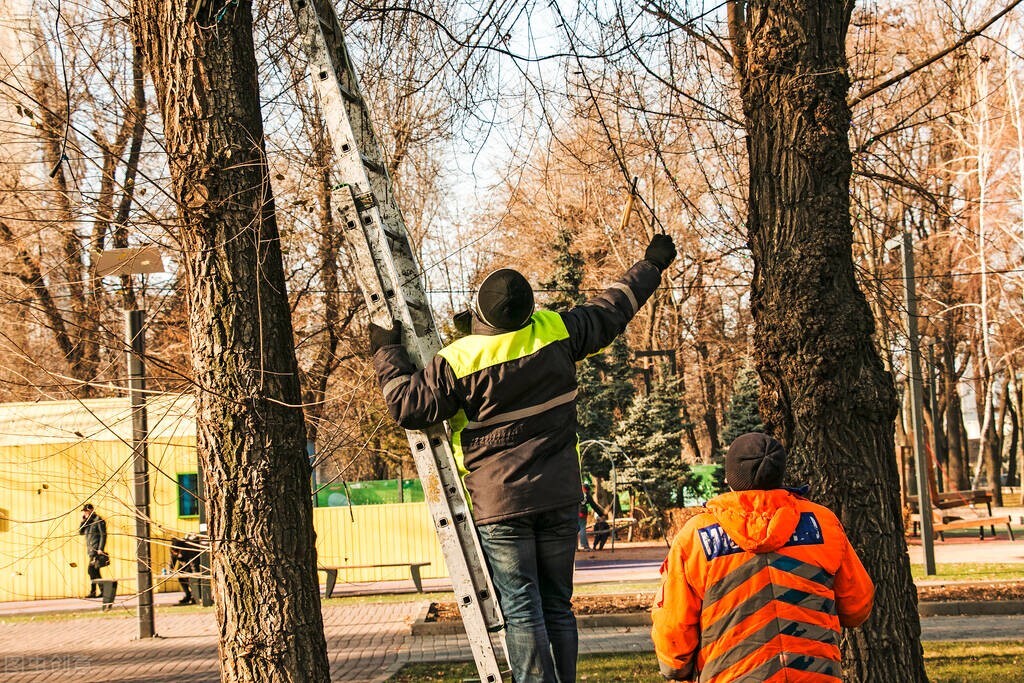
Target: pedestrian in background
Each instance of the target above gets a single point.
(94, 528)
(586, 506)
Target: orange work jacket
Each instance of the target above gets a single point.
(756, 589)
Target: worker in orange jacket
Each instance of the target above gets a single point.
(757, 587)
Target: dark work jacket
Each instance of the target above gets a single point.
(510, 397)
(94, 528)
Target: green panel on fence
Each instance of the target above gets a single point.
(708, 481)
(377, 492)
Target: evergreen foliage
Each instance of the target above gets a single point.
(743, 415)
(652, 435)
(605, 380)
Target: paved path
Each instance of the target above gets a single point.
(367, 643)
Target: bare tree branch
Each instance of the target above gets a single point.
(968, 37)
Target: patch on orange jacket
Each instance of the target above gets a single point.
(716, 543)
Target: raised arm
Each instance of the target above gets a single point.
(595, 324)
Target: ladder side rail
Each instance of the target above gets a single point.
(437, 443)
(393, 290)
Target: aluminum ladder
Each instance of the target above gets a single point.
(390, 279)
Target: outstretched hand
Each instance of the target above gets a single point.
(661, 251)
(382, 336)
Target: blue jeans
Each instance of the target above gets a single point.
(583, 533)
(531, 562)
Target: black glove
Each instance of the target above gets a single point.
(381, 337)
(463, 322)
(661, 251)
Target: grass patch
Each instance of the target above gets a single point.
(974, 662)
(971, 572)
(979, 662)
(616, 588)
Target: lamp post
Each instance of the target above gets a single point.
(130, 261)
(917, 405)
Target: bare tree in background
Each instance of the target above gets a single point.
(251, 436)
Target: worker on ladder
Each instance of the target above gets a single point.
(509, 390)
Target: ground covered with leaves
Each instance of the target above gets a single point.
(968, 662)
(641, 602)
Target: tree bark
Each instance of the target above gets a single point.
(825, 391)
(251, 436)
(1012, 453)
(957, 469)
(995, 450)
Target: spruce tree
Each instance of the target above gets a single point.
(743, 415)
(651, 434)
(605, 379)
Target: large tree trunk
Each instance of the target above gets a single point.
(251, 436)
(825, 392)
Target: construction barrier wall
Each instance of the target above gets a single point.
(56, 456)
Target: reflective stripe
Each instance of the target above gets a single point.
(734, 579)
(818, 665)
(625, 289)
(804, 570)
(752, 567)
(676, 674)
(758, 639)
(524, 413)
(396, 382)
(476, 352)
(762, 599)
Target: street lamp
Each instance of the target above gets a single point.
(126, 262)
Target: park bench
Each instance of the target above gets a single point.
(955, 499)
(332, 573)
(942, 523)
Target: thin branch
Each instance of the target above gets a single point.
(968, 37)
(661, 13)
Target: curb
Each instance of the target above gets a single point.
(970, 608)
(962, 608)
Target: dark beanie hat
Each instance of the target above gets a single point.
(504, 300)
(755, 462)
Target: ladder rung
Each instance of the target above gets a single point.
(326, 26)
(349, 95)
(372, 165)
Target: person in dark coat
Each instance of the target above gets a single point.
(586, 506)
(185, 558)
(601, 532)
(94, 528)
(509, 390)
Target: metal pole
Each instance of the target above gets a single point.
(135, 322)
(916, 406)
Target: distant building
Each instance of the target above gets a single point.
(56, 456)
